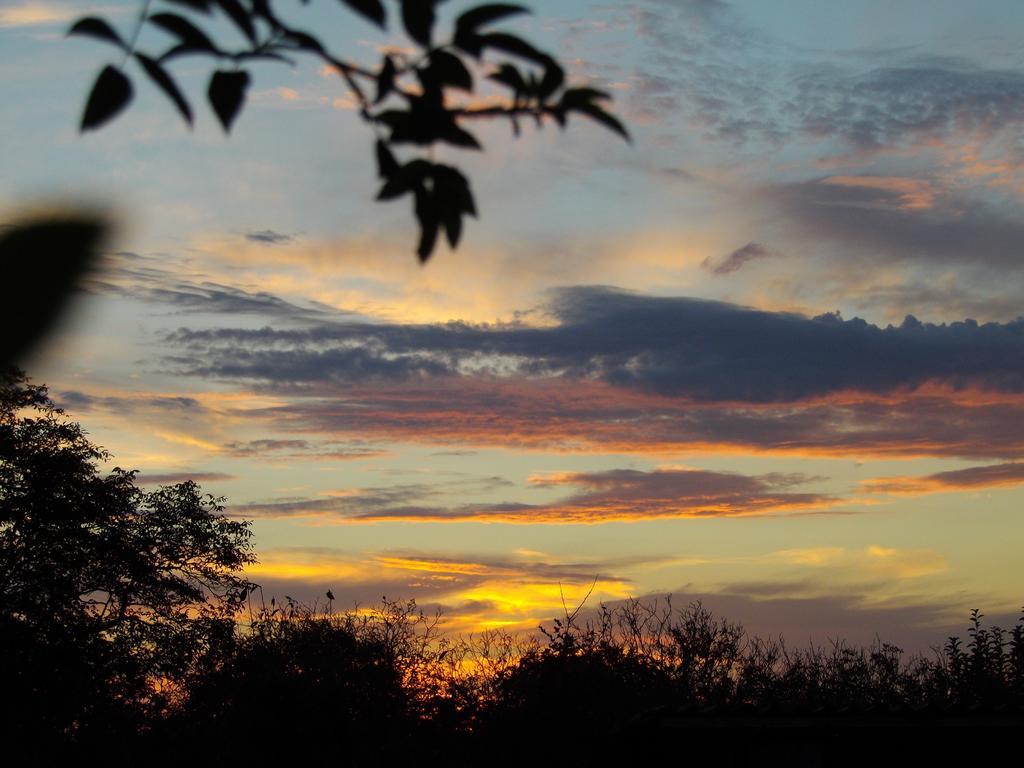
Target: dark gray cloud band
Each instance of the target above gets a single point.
(701, 350)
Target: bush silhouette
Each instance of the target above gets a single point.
(294, 678)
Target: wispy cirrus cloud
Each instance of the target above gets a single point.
(174, 478)
(146, 278)
(968, 479)
(736, 260)
(288, 450)
(269, 236)
(910, 221)
(475, 592)
(152, 403)
(909, 194)
(612, 496)
(914, 102)
(707, 63)
(35, 13)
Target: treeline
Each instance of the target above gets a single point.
(386, 687)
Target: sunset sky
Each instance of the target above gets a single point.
(768, 355)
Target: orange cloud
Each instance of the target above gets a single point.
(971, 478)
(612, 496)
(588, 416)
(477, 594)
(34, 13)
(905, 563)
(518, 593)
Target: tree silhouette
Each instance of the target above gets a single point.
(424, 99)
(107, 592)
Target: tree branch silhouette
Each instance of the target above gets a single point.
(409, 102)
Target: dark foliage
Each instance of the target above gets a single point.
(419, 100)
(107, 593)
(377, 687)
(294, 678)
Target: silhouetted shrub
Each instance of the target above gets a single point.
(295, 680)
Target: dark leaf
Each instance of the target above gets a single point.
(471, 43)
(595, 112)
(179, 50)
(508, 75)
(387, 165)
(42, 265)
(248, 55)
(196, 5)
(371, 9)
(467, 201)
(553, 78)
(385, 79)
(189, 34)
(418, 17)
(453, 228)
(431, 85)
(419, 169)
(459, 137)
(393, 117)
(453, 188)
(160, 76)
(111, 94)
(98, 28)
(394, 187)
(514, 45)
(261, 8)
(427, 215)
(306, 42)
(573, 97)
(401, 178)
(477, 17)
(227, 94)
(425, 122)
(448, 69)
(240, 16)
